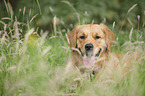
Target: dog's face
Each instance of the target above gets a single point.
(92, 40)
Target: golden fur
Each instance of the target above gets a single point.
(101, 37)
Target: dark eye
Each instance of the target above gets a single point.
(82, 37)
(97, 37)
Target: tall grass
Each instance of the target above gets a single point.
(34, 65)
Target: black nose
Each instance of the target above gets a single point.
(89, 47)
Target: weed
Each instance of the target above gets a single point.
(33, 64)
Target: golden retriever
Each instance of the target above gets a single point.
(91, 46)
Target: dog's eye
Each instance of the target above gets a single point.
(82, 37)
(97, 37)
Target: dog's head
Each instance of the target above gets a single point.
(91, 39)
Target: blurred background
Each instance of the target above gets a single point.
(67, 13)
(34, 49)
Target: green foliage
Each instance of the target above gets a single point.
(36, 68)
(33, 64)
(77, 11)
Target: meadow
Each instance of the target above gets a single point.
(32, 62)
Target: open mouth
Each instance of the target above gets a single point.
(89, 59)
(96, 53)
(89, 53)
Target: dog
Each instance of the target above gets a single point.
(91, 50)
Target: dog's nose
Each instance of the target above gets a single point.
(89, 47)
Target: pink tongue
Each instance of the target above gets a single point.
(89, 62)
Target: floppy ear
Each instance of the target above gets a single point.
(72, 36)
(109, 36)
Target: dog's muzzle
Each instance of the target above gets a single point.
(89, 49)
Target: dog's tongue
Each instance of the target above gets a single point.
(89, 62)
